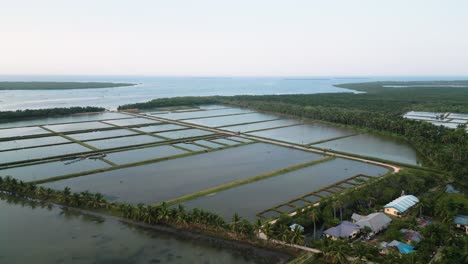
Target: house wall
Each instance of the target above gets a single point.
(392, 211)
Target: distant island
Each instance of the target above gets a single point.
(59, 85)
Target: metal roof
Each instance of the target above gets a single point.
(402, 203)
(461, 220)
(375, 221)
(342, 230)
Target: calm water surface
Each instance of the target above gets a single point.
(34, 234)
(170, 179)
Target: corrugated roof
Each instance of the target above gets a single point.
(342, 230)
(402, 203)
(461, 220)
(375, 221)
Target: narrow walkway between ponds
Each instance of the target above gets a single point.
(264, 140)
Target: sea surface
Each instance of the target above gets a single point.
(148, 88)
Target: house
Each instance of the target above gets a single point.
(345, 229)
(461, 221)
(411, 236)
(293, 227)
(375, 221)
(400, 205)
(396, 245)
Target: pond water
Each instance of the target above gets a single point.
(77, 126)
(170, 179)
(187, 133)
(249, 199)
(102, 134)
(209, 144)
(160, 128)
(225, 141)
(62, 119)
(244, 140)
(123, 141)
(132, 121)
(32, 142)
(22, 131)
(52, 169)
(373, 145)
(306, 133)
(204, 113)
(130, 156)
(262, 125)
(32, 233)
(191, 147)
(40, 152)
(232, 120)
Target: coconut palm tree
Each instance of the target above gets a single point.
(267, 229)
(164, 212)
(313, 214)
(235, 221)
(258, 226)
(297, 235)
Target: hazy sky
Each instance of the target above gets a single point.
(235, 37)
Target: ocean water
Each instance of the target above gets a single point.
(148, 88)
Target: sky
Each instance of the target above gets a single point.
(235, 37)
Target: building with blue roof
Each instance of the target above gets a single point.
(396, 245)
(461, 221)
(400, 205)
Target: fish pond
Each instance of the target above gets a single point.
(249, 199)
(171, 179)
(374, 145)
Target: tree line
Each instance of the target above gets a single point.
(150, 214)
(49, 112)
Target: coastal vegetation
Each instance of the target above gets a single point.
(59, 85)
(49, 112)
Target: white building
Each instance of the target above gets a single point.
(400, 205)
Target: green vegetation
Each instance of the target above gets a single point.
(58, 85)
(164, 102)
(50, 112)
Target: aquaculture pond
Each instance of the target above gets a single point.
(305, 133)
(123, 141)
(131, 121)
(225, 141)
(203, 113)
(102, 134)
(52, 169)
(40, 152)
(160, 128)
(142, 154)
(32, 142)
(35, 233)
(77, 126)
(209, 144)
(21, 132)
(249, 199)
(262, 125)
(171, 179)
(191, 147)
(63, 119)
(232, 120)
(374, 145)
(186, 133)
